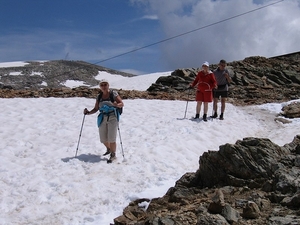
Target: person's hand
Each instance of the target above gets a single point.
(226, 75)
(85, 111)
(115, 104)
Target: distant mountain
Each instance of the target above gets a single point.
(52, 74)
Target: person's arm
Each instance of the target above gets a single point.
(228, 78)
(118, 102)
(95, 109)
(195, 81)
(214, 82)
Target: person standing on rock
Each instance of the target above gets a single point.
(107, 103)
(223, 79)
(206, 82)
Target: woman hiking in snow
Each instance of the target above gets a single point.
(108, 102)
(206, 82)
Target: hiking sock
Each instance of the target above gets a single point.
(215, 115)
(197, 116)
(112, 157)
(204, 117)
(107, 151)
(222, 116)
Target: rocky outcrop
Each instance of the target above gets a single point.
(253, 181)
(289, 111)
(255, 80)
(88, 93)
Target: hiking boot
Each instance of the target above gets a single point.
(215, 115)
(221, 116)
(107, 151)
(197, 116)
(205, 117)
(112, 157)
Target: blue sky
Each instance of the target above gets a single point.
(97, 30)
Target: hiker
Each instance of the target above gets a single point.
(206, 82)
(107, 103)
(223, 79)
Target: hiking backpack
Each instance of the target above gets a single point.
(112, 99)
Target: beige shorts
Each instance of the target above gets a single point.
(108, 129)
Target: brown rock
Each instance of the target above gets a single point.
(251, 211)
(292, 110)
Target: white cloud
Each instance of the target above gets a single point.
(267, 32)
(150, 17)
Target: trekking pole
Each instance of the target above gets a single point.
(80, 135)
(121, 143)
(187, 102)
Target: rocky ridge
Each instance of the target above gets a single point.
(256, 80)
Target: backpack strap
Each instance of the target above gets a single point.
(99, 96)
(111, 96)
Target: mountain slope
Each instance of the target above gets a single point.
(51, 74)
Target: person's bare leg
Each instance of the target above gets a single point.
(108, 150)
(223, 102)
(198, 109)
(113, 147)
(215, 105)
(205, 107)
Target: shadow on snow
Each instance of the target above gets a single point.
(89, 158)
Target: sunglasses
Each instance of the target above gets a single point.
(103, 85)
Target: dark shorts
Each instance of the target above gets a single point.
(223, 94)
